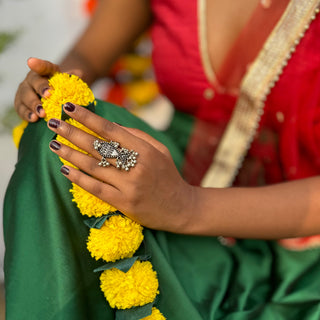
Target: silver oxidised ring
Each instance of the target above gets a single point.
(125, 159)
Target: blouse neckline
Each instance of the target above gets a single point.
(227, 78)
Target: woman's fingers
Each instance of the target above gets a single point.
(85, 141)
(103, 191)
(103, 127)
(42, 67)
(33, 88)
(121, 138)
(41, 71)
(85, 162)
(29, 98)
(76, 136)
(152, 194)
(147, 138)
(26, 102)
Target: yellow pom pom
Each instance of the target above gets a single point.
(17, 132)
(64, 88)
(118, 238)
(134, 288)
(155, 315)
(89, 204)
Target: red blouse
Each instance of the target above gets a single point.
(286, 147)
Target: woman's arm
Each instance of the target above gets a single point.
(115, 25)
(154, 194)
(111, 31)
(285, 210)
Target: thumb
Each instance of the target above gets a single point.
(42, 67)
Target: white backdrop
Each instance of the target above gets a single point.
(45, 29)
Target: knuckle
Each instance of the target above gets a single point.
(139, 172)
(68, 130)
(92, 166)
(97, 190)
(66, 153)
(34, 103)
(80, 114)
(134, 198)
(41, 87)
(76, 179)
(107, 128)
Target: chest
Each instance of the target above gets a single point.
(224, 20)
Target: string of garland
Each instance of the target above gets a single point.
(128, 281)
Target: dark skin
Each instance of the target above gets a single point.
(153, 193)
(107, 37)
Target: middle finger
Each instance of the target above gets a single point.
(85, 163)
(80, 137)
(84, 139)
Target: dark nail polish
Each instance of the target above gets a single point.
(43, 91)
(39, 108)
(55, 145)
(65, 170)
(54, 123)
(69, 106)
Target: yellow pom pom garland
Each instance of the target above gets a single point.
(89, 204)
(117, 238)
(156, 315)
(65, 88)
(17, 132)
(125, 290)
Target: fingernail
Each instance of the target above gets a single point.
(39, 108)
(54, 123)
(65, 170)
(69, 106)
(55, 145)
(44, 91)
(30, 115)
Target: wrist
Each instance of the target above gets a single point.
(186, 213)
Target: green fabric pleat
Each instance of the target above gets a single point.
(49, 272)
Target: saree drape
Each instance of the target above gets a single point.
(49, 273)
(47, 267)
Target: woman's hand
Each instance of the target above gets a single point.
(27, 101)
(151, 193)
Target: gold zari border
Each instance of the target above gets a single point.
(203, 43)
(255, 87)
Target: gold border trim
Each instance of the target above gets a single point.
(256, 85)
(203, 43)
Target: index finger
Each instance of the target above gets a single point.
(101, 126)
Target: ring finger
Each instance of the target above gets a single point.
(85, 163)
(108, 152)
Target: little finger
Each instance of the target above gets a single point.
(103, 127)
(85, 163)
(107, 152)
(103, 191)
(38, 84)
(26, 113)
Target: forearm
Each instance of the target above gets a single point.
(114, 27)
(279, 211)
